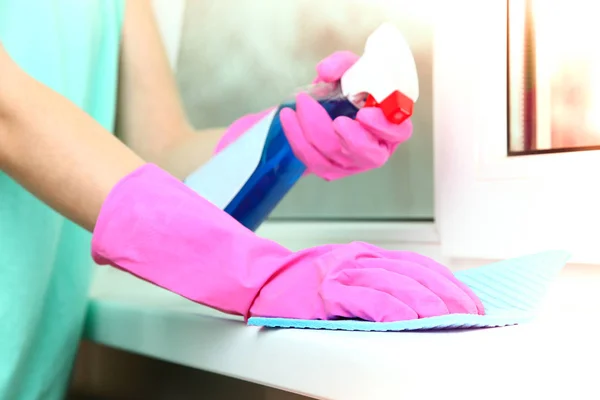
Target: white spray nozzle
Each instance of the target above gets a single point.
(387, 73)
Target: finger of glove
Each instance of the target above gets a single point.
(334, 66)
(341, 301)
(373, 119)
(454, 297)
(318, 130)
(310, 157)
(426, 262)
(358, 144)
(421, 299)
(441, 269)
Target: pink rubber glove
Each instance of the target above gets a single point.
(332, 149)
(342, 147)
(154, 227)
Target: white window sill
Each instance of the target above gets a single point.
(543, 359)
(388, 232)
(421, 237)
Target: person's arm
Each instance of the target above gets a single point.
(55, 150)
(151, 119)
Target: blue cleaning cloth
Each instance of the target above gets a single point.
(510, 290)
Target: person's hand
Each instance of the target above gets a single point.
(334, 149)
(361, 281)
(158, 229)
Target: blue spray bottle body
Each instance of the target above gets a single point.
(252, 175)
(279, 169)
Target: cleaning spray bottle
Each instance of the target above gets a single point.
(252, 175)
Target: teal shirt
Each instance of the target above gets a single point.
(45, 264)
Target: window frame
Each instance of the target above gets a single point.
(489, 204)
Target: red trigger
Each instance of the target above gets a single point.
(396, 107)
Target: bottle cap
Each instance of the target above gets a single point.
(386, 73)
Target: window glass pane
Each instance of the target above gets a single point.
(234, 63)
(554, 66)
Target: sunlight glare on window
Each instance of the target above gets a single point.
(560, 107)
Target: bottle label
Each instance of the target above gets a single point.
(226, 173)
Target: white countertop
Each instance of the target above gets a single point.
(544, 359)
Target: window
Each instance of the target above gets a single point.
(489, 202)
(554, 76)
(511, 107)
(234, 63)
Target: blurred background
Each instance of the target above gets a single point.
(240, 57)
